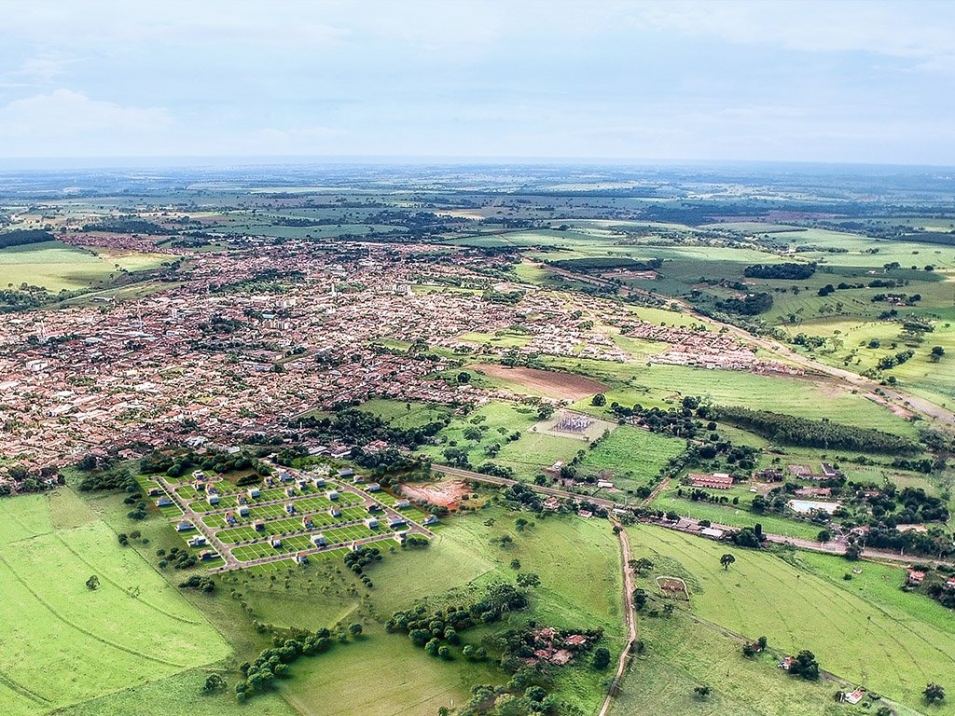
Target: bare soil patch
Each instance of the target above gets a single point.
(566, 386)
(448, 493)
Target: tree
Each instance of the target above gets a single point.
(934, 693)
(639, 598)
(464, 377)
(601, 658)
(599, 400)
(528, 580)
(936, 355)
(515, 564)
(641, 565)
(92, 583)
(726, 560)
(805, 665)
(703, 691)
(824, 536)
(214, 683)
(355, 629)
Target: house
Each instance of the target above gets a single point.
(207, 554)
(212, 499)
(307, 523)
(319, 540)
(770, 474)
(253, 493)
(332, 495)
(319, 482)
(275, 542)
(430, 520)
(915, 577)
(829, 472)
(258, 526)
(374, 507)
(290, 508)
(716, 481)
(854, 697)
(164, 502)
(290, 492)
(185, 526)
(604, 484)
(284, 476)
(197, 541)
(302, 483)
(243, 510)
(950, 584)
(358, 480)
(371, 523)
(551, 504)
(230, 518)
(301, 558)
(335, 512)
(395, 522)
(585, 513)
(155, 492)
(243, 500)
(787, 662)
(198, 475)
(346, 472)
(373, 487)
(402, 505)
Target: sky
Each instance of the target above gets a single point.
(682, 80)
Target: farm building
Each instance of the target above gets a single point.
(716, 481)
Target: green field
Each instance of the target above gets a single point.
(865, 631)
(64, 643)
(56, 266)
(405, 415)
(630, 457)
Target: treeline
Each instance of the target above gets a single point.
(127, 226)
(357, 427)
(805, 432)
(750, 305)
(606, 263)
(218, 462)
(790, 271)
(22, 237)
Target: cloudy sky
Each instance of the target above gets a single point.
(832, 81)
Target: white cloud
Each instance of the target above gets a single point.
(67, 113)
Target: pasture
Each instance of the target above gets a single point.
(888, 641)
(56, 266)
(65, 643)
(630, 457)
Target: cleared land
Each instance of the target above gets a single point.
(64, 643)
(55, 265)
(565, 386)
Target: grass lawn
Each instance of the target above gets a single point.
(64, 643)
(878, 637)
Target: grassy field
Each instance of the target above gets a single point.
(863, 630)
(64, 643)
(56, 266)
(631, 456)
(405, 415)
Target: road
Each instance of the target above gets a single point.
(629, 618)
(892, 396)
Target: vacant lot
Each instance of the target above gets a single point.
(64, 643)
(565, 386)
(888, 641)
(630, 456)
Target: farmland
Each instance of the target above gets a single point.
(65, 643)
(857, 631)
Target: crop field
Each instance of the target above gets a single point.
(64, 643)
(888, 641)
(56, 266)
(631, 456)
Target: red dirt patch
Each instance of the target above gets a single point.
(447, 494)
(566, 386)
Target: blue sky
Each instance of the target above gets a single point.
(835, 81)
